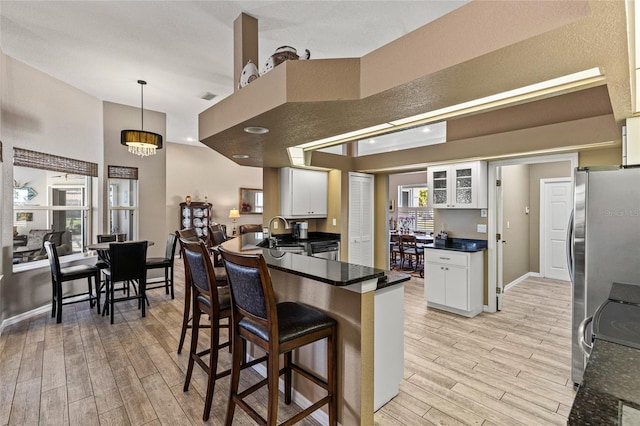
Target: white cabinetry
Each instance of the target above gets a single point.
(458, 186)
(453, 281)
(303, 193)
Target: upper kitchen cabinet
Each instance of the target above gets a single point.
(303, 193)
(458, 186)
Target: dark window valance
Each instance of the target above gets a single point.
(122, 172)
(55, 163)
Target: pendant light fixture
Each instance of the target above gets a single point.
(140, 142)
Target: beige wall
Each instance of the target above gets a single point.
(200, 171)
(515, 223)
(600, 157)
(151, 171)
(460, 223)
(42, 114)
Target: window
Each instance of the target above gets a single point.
(123, 201)
(49, 206)
(413, 213)
(51, 202)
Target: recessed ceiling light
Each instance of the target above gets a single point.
(426, 130)
(256, 130)
(240, 156)
(189, 139)
(372, 141)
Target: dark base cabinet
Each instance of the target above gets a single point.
(196, 215)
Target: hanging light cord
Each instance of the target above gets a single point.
(142, 83)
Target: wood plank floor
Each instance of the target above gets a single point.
(502, 369)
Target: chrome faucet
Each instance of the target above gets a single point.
(272, 240)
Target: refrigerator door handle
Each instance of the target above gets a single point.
(570, 260)
(582, 328)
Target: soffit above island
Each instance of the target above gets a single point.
(454, 59)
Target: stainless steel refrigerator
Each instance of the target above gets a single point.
(603, 243)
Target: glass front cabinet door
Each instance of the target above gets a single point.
(458, 186)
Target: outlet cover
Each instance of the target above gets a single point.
(482, 228)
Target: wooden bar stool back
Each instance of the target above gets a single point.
(183, 236)
(208, 299)
(276, 328)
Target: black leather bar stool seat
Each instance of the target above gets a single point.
(275, 328)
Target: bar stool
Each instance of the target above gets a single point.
(184, 236)
(277, 329)
(211, 300)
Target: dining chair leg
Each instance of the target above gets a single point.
(58, 302)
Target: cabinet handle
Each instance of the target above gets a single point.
(445, 258)
(446, 269)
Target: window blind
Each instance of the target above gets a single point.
(122, 172)
(55, 163)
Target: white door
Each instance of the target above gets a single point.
(361, 219)
(556, 204)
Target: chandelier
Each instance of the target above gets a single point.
(140, 142)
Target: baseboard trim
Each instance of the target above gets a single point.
(520, 279)
(37, 311)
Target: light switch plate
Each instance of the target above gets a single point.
(333, 222)
(482, 228)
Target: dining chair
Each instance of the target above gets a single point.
(185, 236)
(165, 263)
(410, 251)
(69, 273)
(276, 328)
(212, 300)
(394, 249)
(127, 264)
(217, 237)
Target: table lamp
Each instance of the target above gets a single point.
(234, 214)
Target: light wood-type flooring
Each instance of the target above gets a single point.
(507, 368)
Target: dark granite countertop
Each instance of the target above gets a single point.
(466, 245)
(327, 271)
(611, 386)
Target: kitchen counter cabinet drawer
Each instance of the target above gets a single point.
(446, 258)
(454, 282)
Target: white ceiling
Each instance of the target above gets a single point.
(184, 49)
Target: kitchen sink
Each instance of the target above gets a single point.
(286, 246)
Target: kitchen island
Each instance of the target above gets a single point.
(368, 305)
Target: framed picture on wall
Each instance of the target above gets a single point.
(24, 216)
